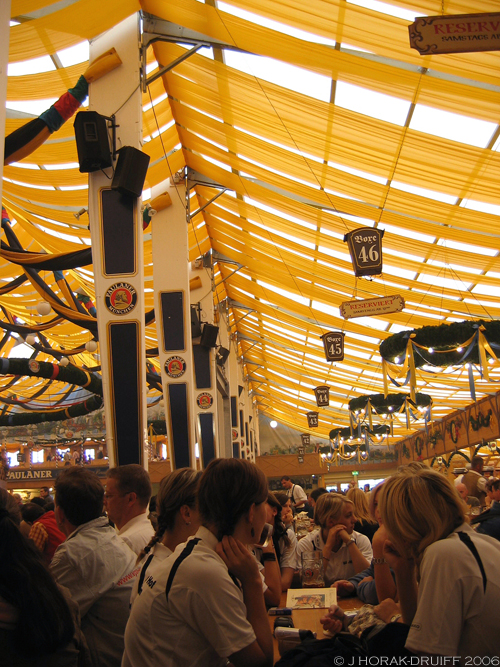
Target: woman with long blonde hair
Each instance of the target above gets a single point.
(365, 524)
(447, 575)
(345, 552)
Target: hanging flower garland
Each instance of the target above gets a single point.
(444, 345)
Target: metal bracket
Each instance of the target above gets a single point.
(155, 29)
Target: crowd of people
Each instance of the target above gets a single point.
(100, 576)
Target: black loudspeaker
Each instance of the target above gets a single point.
(92, 142)
(209, 335)
(222, 355)
(130, 172)
(195, 322)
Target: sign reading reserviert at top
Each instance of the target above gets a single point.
(379, 306)
(457, 33)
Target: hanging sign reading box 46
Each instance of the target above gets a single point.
(458, 33)
(362, 307)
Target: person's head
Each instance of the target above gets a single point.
(477, 464)
(286, 482)
(79, 498)
(38, 500)
(366, 488)
(44, 621)
(360, 502)
(419, 509)
(413, 466)
(493, 488)
(176, 499)
(231, 499)
(283, 499)
(175, 506)
(31, 512)
(128, 490)
(463, 492)
(312, 499)
(44, 492)
(333, 509)
(18, 499)
(373, 502)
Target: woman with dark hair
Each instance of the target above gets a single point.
(205, 603)
(37, 626)
(178, 519)
(284, 542)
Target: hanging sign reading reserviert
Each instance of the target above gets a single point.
(365, 248)
(379, 306)
(333, 342)
(457, 33)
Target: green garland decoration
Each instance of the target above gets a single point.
(346, 433)
(381, 403)
(444, 338)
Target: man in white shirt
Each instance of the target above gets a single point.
(295, 492)
(128, 491)
(93, 563)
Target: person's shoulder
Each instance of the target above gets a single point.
(360, 538)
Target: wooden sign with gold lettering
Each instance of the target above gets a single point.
(379, 306)
(458, 33)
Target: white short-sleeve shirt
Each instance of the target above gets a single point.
(204, 620)
(455, 616)
(340, 564)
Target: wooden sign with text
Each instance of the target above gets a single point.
(458, 33)
(379, 306)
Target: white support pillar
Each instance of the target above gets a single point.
(4, 61)
(173, 323)
(205, 371)
(117, 250)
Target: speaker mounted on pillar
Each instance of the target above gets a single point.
(209, 335)
(222, 355)
(130, 172)
(92, 142)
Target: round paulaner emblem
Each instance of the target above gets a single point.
(175, 367)
(34, 366)
(121, 298)
(204, 401)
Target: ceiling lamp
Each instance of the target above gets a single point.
(91, 346)
(64, 361)
(43, 308)
(30, 339)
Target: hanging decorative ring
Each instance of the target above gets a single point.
(391, 403)
(445, 340)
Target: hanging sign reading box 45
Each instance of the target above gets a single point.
(362, 307)
(365, 248)
(458, 33)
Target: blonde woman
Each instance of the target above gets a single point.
(345, 551)
(453, 609)
(365, 524)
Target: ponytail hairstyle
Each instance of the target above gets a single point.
(176, 489)
(44, 623)
(227, 490)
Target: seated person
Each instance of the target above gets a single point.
(365, 524)
(376, 583)
(312, 499)
(488, 522)
(204, 604)
(345, 552)
(284, 545)
(454, 608)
